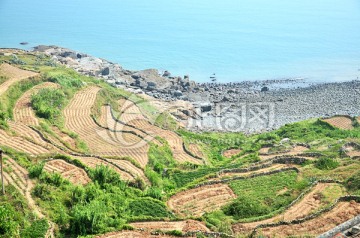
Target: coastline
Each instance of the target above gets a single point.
(249, 106)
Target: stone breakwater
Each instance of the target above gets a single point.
(249, 107)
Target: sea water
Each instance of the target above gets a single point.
(235, 39)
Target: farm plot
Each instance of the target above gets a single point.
(343, 212)
(174, 140)
(231, 152)
(310, 203)
(184, 226)
(14, 75)
(195, 202)
(21, 144)
(23, 113)
(26, 132)
(129, 111)
(340, 122)
(92, 162)
(196, 150)
(18, 177)
(352, 151)
(132, 115)
(107, 120)
(131, 234)
(241, 174)
(264, 152)
(101, 141)
(128, 166)
(68, 171)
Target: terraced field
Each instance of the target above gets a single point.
(310, 203)
(68, 171)
(92, 162)
(184, 226)
(21, 144)
(195, 202)
(18, 177)
(28, 133)
(264, 152)
(100, 141)
(23, 113)
(13, 75)
(131, 234)
(196, 150)
(85, 207)
(259, 171)
(343, 212)
(128, 166)
(107, 120)
(341, 122)
(175, 141)
(129, 112)
(231, 152)
(132, 115)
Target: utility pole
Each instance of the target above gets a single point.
(2, 172)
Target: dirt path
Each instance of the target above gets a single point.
(195, 202)
(14, 75)
(23, 113)
(343, 212)
(306, 206)
(101, 141)
(17, 176)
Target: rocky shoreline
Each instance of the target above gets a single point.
(249, 107)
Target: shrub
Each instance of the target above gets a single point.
(353, 183)
(36, 170)
(37, 229)
(244, 207)
(91, 218)
(65, 80)
(47, 103)
(326, 164)
(8, 226)
(148, 207)
(105, 175)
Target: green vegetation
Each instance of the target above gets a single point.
(353, 182)
(166, 121)
(16, 219)
(47, 103)
(108, 203)
(9, 98)
(262, 195)
(326, 164)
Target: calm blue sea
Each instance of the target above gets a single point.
(236, 39)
